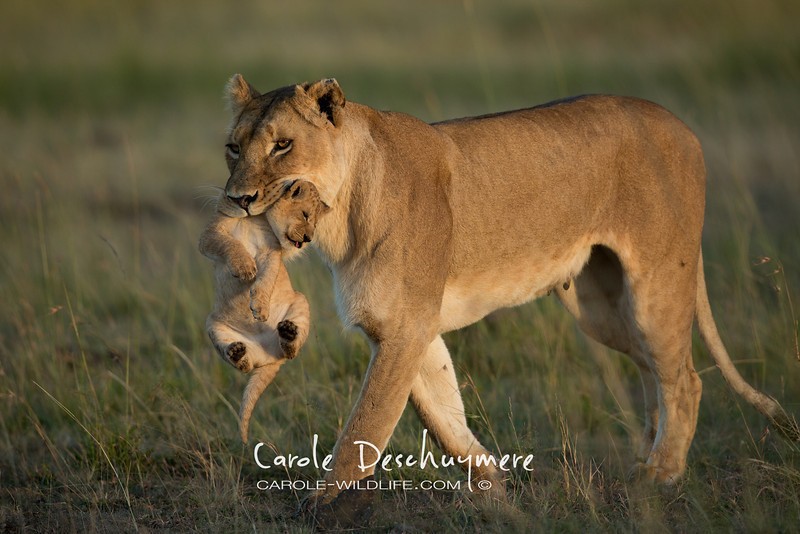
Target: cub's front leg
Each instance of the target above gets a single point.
(218, 244)
(269, 265)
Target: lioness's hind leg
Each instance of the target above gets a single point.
(437, 400)
(665, 305)
(650, 388)
(600, 302)
(679, 392)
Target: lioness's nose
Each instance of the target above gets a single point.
(244, 201)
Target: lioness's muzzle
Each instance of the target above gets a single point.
(245, 200)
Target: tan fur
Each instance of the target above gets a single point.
(431, 227)
(259, 321)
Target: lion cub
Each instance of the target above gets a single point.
(259, 321)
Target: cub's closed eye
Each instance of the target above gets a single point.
(305, 215)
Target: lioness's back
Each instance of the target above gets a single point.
(563, 170)
(581, 118)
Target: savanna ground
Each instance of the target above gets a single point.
(115, 414)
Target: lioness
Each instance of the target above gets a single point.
(604, 192)
(259, 321)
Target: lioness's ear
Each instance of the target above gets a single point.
(328, 96)
(239, 93)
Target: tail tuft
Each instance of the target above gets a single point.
(786, 425)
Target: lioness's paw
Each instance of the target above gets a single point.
(243, 268)
(349, 510)
(644, 472)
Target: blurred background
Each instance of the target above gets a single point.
(115, 412)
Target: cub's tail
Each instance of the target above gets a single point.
(260, 378)
(780, 419)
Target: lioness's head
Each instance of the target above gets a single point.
(293, 217)
(282, 136)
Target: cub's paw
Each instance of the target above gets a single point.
(236, 355)
(235, 352)
(287, 330)
(287, 333)
(257, 308)
(243, 267)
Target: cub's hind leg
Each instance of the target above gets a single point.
(233, 347)
(294, 327)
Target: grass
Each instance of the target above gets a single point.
(115, 414)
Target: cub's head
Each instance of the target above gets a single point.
(293, 217)
(289, 134)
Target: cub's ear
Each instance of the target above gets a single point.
(329, 97)
(239, 93)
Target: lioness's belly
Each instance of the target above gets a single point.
(470, 296)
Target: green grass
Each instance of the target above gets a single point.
(115, 414)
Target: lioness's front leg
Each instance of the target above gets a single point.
(394, 365)
(437, 400)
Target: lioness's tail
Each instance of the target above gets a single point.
(260, 378)
(780, 419)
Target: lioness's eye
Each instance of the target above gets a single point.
(282, 145)
(233, 150)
